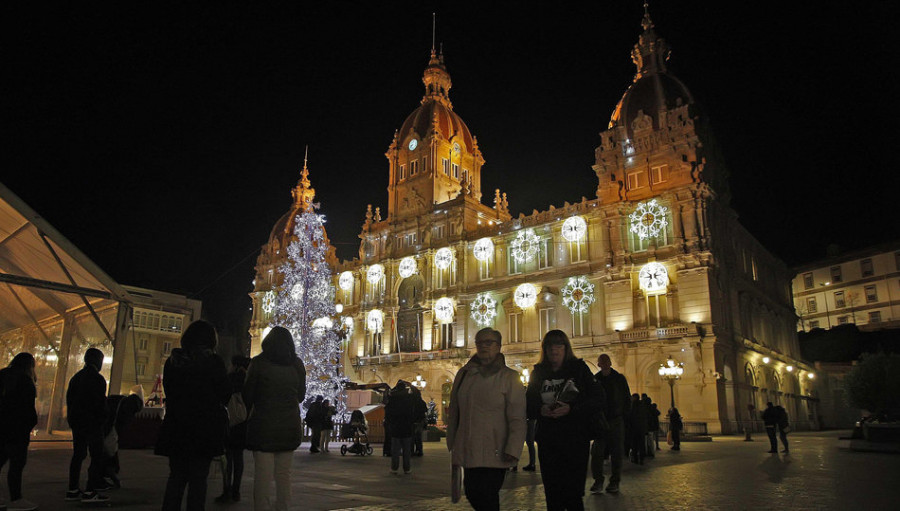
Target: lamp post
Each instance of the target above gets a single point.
(825, 299)
(671, 371)
(419, 383)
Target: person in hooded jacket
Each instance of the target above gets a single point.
(486, 427)
(17, 418)
(86, 413)
(563, 422)
(273, 391)
(400, 413)
(193, 430)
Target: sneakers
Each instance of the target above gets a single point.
(93, 497)
(597, 487)
(73, 495)
(21, 505)
(612, 488)
(528, 468)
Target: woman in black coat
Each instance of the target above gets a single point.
(17, 418)
(237, 437)
(563, 435)
(193, 430)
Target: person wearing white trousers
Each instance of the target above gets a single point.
(272, 466)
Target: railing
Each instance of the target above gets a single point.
(412, 356)
(690, 428)
(757, 426)
(641, 334)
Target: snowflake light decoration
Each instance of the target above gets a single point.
(525, 296)
(407, 267)
(653, 277)
(345, 281)
(443, 309)
(578, 294)
(375, 320)
(574, 228)
(648, 219)
(483, 249)
(525, 246)
(375, 273)
(268, 302)
(484, 309)
(442, 258)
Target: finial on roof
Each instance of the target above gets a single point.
(647, 23)
(433, 27)
(304, 193)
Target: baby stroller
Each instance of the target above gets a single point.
(356, 431)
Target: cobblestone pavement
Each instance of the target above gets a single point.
(724, 474)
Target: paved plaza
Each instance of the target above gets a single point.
(727, 473)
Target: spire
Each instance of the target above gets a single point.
(651, 51)
(303, 193)
(436, 78)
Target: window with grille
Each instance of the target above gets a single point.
(637, 179)
(811, 306)
(839, 300)
(871, 294)
(808, 280)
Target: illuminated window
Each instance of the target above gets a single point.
(513, 264)
(581, 323)
(753, 265)
(545, 253)
(439, 232)
(808, 280)
(515, 321)
(637, 179)
(455, 171)
(446, 165)
(659, 174)
(836, 275)
(484, 269)
(871, 294)
(839, 300)
(545, 319)
(866, 267)
(811, 306)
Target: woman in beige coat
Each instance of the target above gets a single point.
(486, 427)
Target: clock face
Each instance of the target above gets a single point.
(525, 296)
(443, 309)
(574, 228)
(483, 249)
(456, 148)
(345, 281)
(653, 277)
(407, 267)
(443, 258)
(413, 144)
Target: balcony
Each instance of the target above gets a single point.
(414, 356)
(645, 334)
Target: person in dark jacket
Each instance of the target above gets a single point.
(400, 413)
(618, 408)
(770, 420)
(275, 387)
(782, 424)
(328, 411)
(237, 437)
(193, 431)
(17, 418)
(640, 418)
(120, 411)
(654, 425)
(675, 426)
(86, 405)
(419, 424)
(563, 420)
(315, 415)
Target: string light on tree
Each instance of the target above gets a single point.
(525, 296)
(525, 246)
(442, 258)
(484, 309)
(483, 249)
(407, 267)
(268, 302)
(578, 294)
(574, 228)
(648, 219)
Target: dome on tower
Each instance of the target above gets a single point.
(654, 89)
(436, 111)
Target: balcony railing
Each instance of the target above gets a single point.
(414, 356)
(642, 334)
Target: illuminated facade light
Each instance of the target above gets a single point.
(483, 249)
(345, 281)
(375, 273)
(525, 296)
(766, 360)
(442, 258)
(375, 321)
(648, 219)
(407, 267)
(578, 295)
(525, 247)
(790, 369)
(574, 228)
(483, 309)
(653, 278)
(443, 309)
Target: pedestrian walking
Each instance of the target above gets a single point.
(618, 408)
(419, 424)
(275, 387)
(654, 426)
(770, 420)
(193, 431)
(236, 439)
(400, 414)
(783, 425)
(486, 427)
(86, 405)
(676, 425)
(328, 412)
(18, 417)
(314, 417)
(564, 397)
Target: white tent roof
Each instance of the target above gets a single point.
(42, 274)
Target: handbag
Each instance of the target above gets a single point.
(237, 410)
(669, 438)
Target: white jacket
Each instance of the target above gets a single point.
(487, 415)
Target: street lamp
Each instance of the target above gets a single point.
(525, 377)
(825, 299)
(671, 371)
(419, 383)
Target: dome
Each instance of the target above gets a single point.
(649, 94)
(443, 116)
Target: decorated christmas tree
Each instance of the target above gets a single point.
(305, 304)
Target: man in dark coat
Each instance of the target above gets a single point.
(419, 424)
(618, 398)
(782, 425)
(770, 419)
(640, 419)
(18, 417)
(86, 405)
(400, 414)
(315, 418)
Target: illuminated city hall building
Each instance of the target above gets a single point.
(655, 266)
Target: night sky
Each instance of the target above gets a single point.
(164, 139)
